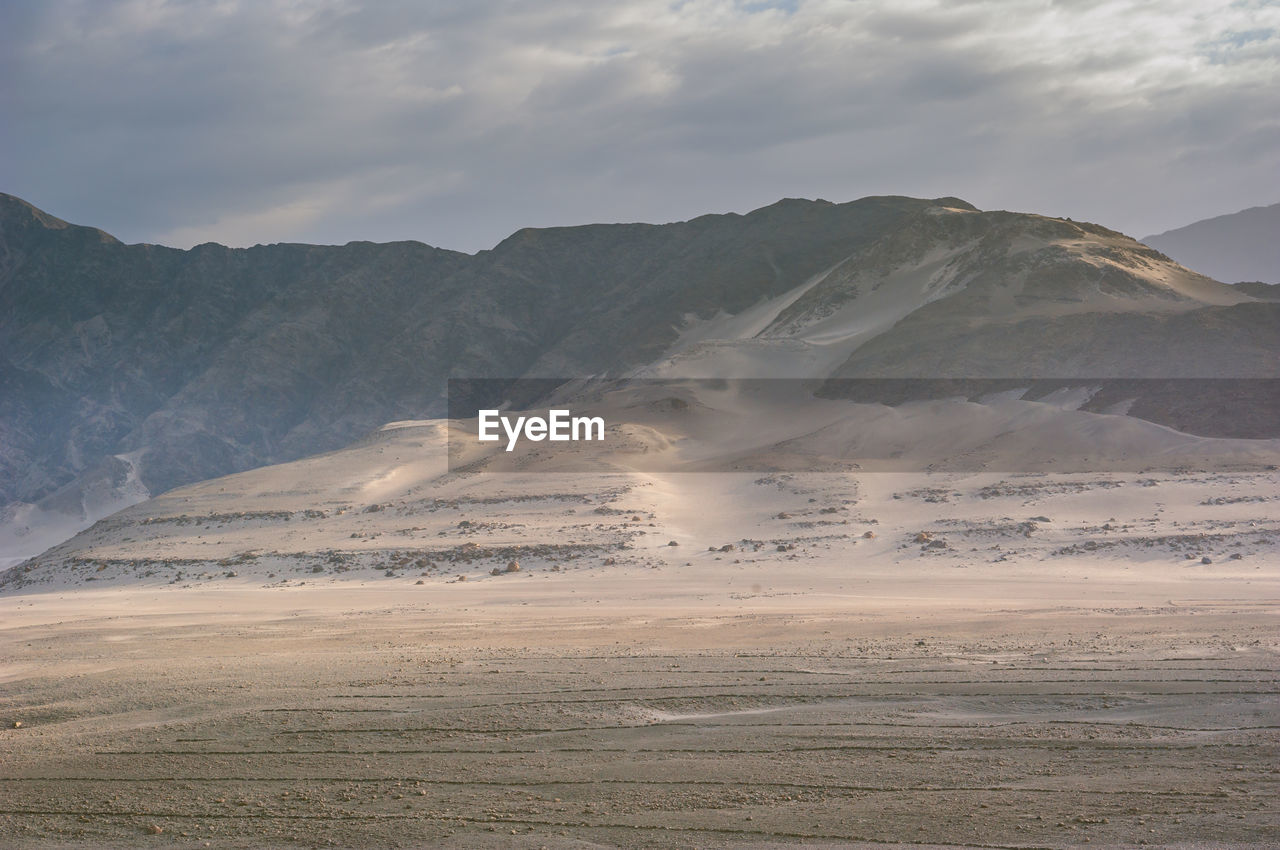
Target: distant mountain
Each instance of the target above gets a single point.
(1260, 290)
(127, 370)
(1243, 246)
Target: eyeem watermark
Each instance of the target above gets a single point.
(559, 426)
(997, 425)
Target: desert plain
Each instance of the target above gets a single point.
(369, 651)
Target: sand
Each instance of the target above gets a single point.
(328, 717)
(317, 654)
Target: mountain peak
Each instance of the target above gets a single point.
(13, 208)
(955, 204)
(19, 215)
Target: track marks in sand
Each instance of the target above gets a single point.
(1141, 738)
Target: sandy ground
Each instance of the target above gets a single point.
(320, 654)
(333, 716)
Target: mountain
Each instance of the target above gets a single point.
(955, 292)
(1243, 246)
(1261, 291)
(217, 359)
(128, 370)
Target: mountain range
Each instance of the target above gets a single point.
(127, 370)
(1242, 246)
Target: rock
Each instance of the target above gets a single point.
(609, 562)
(728, 547)
(419, 581)
(868, 535)
(496, 571)
(672, 543)
(1206, 560)
(17, 724)
(513, 566)
(923, 537)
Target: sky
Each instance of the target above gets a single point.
(457, 123)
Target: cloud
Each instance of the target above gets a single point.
(458, 122)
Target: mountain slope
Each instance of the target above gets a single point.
(202, 362)
(962, 293)
(1243, 246)
(130, 369)
(1047, 298)
(388, 510)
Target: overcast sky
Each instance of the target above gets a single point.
(456, 123)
